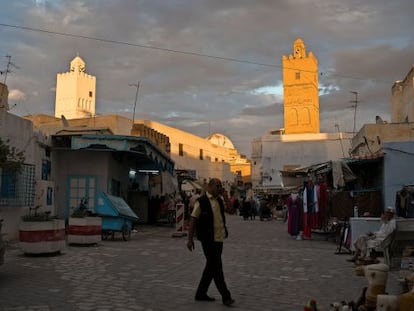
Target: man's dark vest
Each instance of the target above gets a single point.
(205, 223)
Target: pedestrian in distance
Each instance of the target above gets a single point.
(208, 221)
(253, 209)
(236, 206)
(245, 209)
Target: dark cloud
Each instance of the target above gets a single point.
(274, 109)
(381, 63)
(361, 46)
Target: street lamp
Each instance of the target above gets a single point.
(135, 102)
(355, 105)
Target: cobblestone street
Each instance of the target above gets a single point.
(264, 267)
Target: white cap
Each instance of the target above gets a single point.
(390, 209)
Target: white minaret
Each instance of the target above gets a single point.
(75, 92)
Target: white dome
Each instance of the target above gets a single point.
(220, 140)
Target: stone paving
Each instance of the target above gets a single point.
(264, 267)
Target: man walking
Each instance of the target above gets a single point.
(209, 222)
(193, 200)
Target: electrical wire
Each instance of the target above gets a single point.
(398, 150)
(232, 59)
(138, 45)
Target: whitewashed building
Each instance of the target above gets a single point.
(19, 192)
(275, 152)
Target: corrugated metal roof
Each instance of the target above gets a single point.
(121, 143)
(84, 130)
(366, 157)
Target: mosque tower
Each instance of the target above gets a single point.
(300, 91)
(75, 92)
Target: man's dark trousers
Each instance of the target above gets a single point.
(213, 270)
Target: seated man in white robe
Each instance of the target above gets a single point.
(371, 240)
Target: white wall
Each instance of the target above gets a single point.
(20, 133)
(276, 151)
(398, 169)
(87, 163)
(402, 99)
(206, 168)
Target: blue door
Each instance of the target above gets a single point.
(80, 187)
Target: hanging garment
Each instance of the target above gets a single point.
(404, 203)
(401, 202)
(410, 205)
(311, 207)
(323, 204)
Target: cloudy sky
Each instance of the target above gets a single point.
(208, 66)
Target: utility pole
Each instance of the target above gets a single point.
(9, 63)
(355, 105)
(135, 102)
(340, 139)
